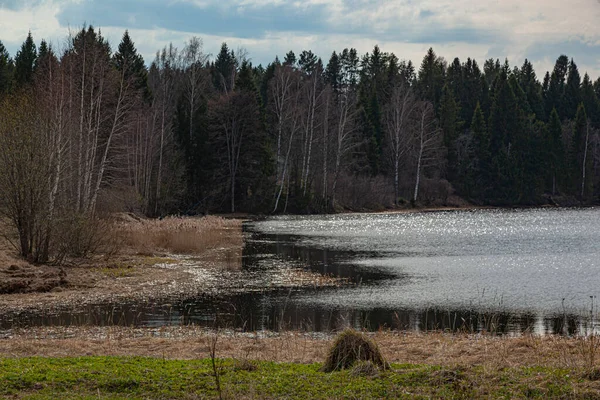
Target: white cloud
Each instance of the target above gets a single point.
(463, 28)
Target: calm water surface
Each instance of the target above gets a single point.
(506, 271)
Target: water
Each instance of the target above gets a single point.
(505, 271)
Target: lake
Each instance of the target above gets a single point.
(503, 271)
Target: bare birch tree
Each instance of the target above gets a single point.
(397, 119)
(428, 142)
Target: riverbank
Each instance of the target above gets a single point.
(176, 362)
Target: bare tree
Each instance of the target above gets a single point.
(194, 78)
(428, 141)
(397, 120)
(25, 174)
(344, 134)
(285, 105)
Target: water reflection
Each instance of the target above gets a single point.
(276, 311)
(505, 272)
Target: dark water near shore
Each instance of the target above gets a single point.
(505, 271)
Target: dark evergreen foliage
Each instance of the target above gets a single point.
(508, 138)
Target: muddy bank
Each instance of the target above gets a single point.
(157, 261)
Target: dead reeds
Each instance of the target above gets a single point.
(178, 235)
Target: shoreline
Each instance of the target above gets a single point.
(148, 276)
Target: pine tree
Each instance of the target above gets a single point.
(25, 62)
(290, 59)
(308, 61)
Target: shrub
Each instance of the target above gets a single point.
(348, 348)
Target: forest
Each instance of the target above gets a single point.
(87, 130)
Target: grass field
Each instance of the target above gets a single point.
(156, 378)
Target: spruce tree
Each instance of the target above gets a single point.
(43, 52)
(333, 72)
(482, 156)
(6, 70)
(430, 81)
(555, 92)
(25, 62)
(533, 90)
(472, 92)
(224, 69)
(450, 124)
(590, 101)
(128, 61)
(572, 96)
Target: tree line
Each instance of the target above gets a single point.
(85, 129)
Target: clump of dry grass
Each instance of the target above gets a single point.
(179, 235)
(350, 347)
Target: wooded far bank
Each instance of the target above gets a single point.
(86, 130)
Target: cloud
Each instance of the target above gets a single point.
(465, 28)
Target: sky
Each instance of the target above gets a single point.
(513, 29)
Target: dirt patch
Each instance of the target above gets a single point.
(30, 279)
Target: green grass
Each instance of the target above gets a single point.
(128, 378)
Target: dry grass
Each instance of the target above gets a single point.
(179, 235)
(441, 349)
(349, 348)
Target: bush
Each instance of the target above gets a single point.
(348, 348)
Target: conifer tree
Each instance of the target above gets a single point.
(127, 60)
(590, 101)
(450, 124)
(533, 90)
(25, 62)
(482, 156)
(290, 59)
(572, 91)
(333, 72)
(6, 70)
(431, 78)
(225, 69)
(555, 92)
